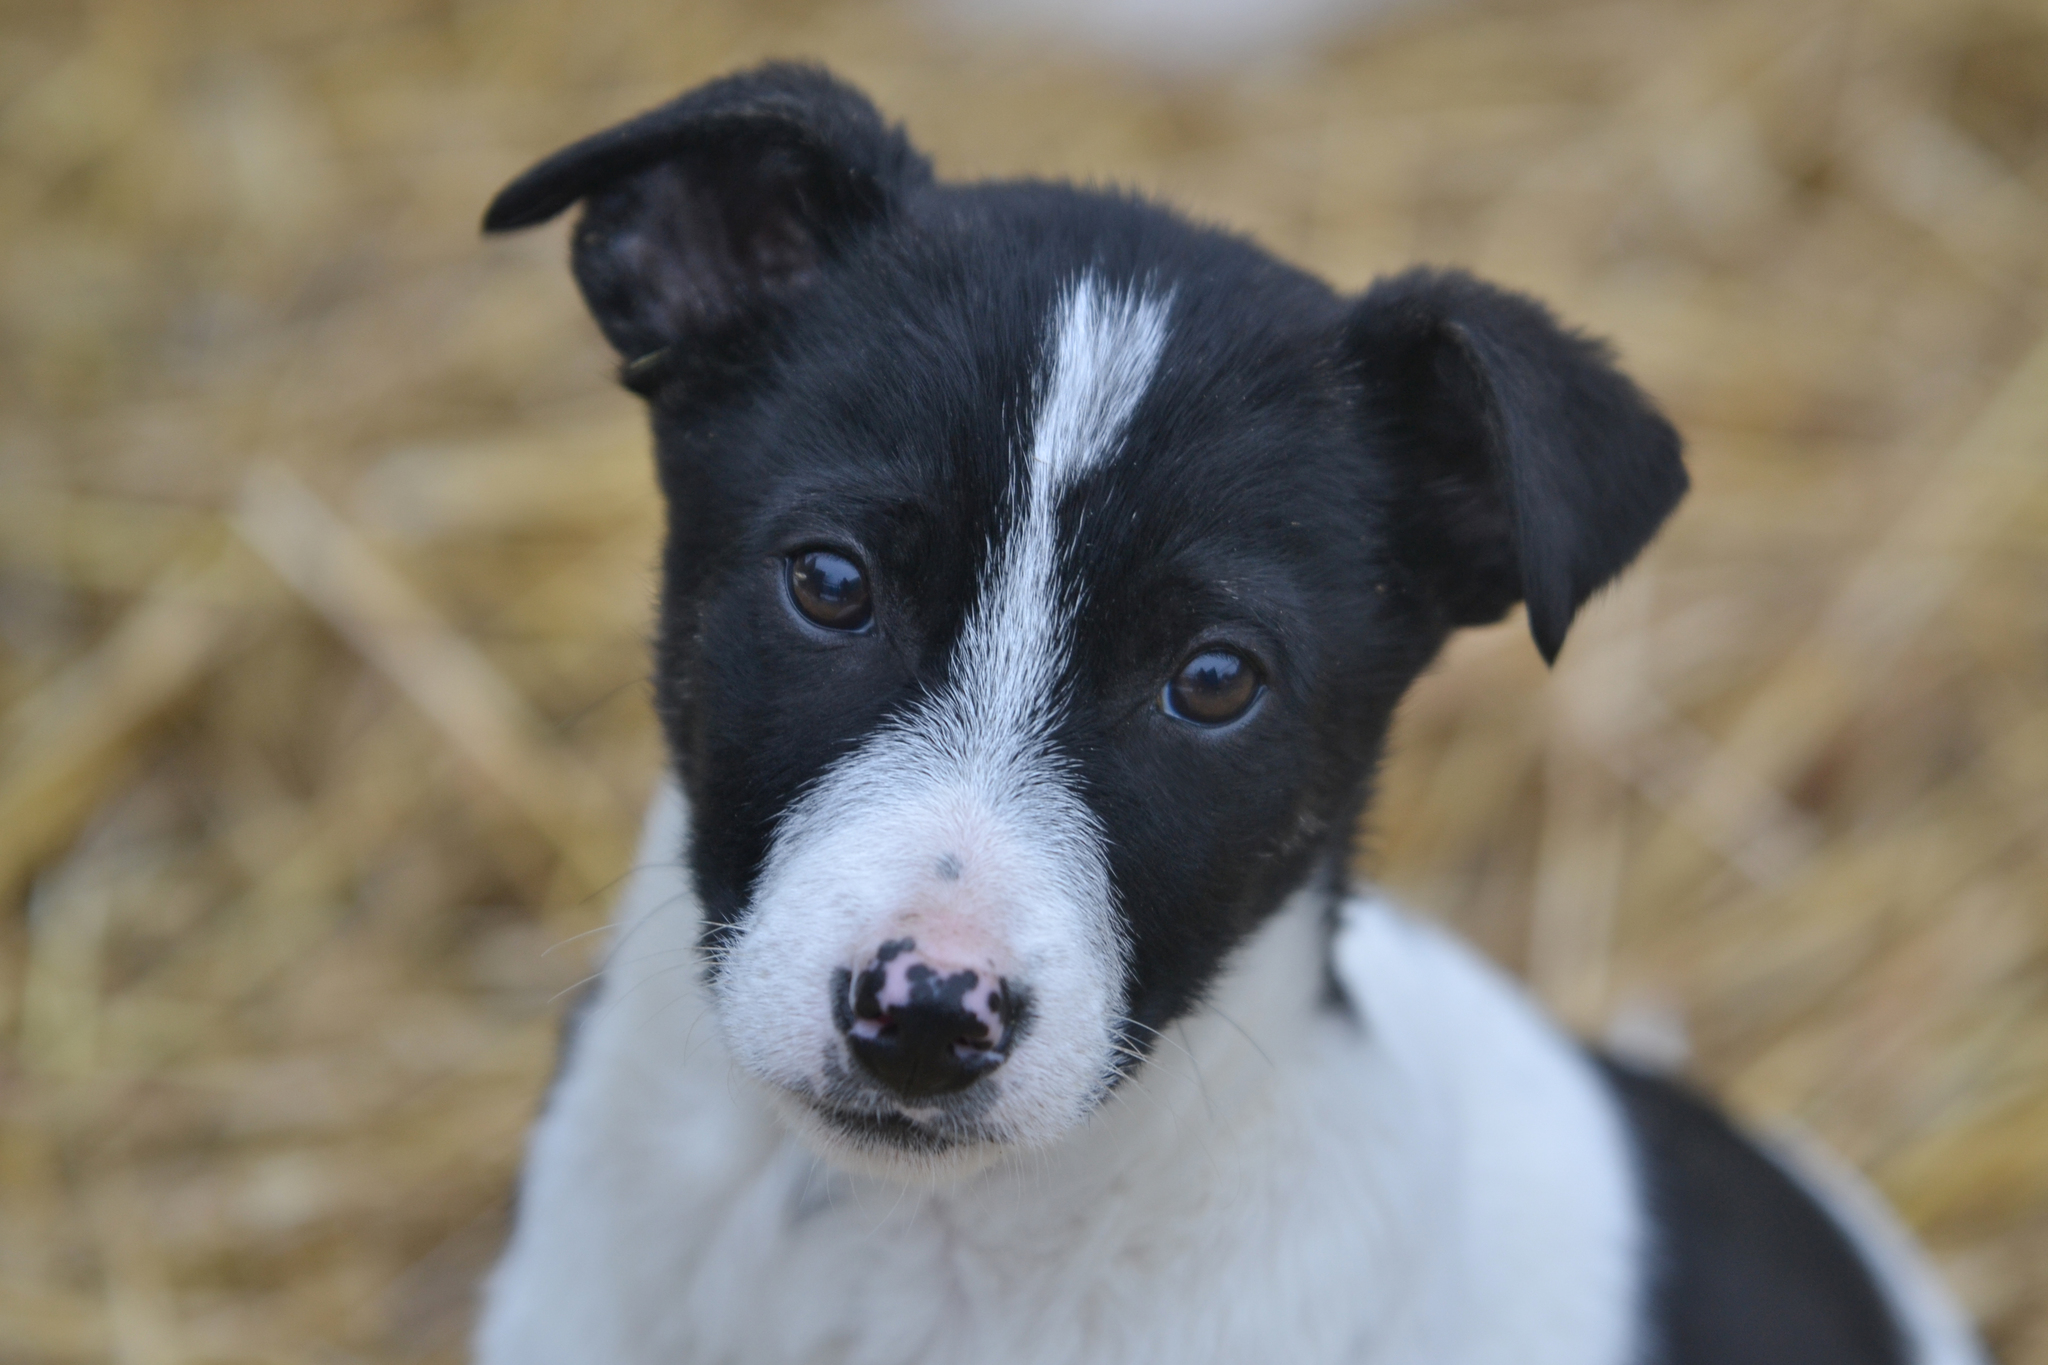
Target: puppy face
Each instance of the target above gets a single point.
(1109, 687)
(1042, 574)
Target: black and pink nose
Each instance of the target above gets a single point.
(923, 1027)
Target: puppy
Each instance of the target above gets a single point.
(1041, 576)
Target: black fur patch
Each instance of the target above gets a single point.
(1746, 1268)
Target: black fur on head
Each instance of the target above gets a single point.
(840, 351)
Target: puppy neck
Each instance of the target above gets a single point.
(1261, 1025)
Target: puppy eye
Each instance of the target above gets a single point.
(830, 589)
(1213, 688)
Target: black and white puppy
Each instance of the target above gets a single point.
(1042, 574)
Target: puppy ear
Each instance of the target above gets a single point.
(1526, 466)
(724, 201)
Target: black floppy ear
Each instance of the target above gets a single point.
(1527, 467)
(702, 213)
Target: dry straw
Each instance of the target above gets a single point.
(326, 553)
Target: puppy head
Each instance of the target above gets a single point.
(1042, 573)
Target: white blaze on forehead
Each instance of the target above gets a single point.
(966, 781)
(1104, 347)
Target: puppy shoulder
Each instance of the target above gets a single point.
(1548, 1196)
(1420, 991)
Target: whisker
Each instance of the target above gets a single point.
(651, 976)
(575, 986)
(613, 924)
(1242, 1033)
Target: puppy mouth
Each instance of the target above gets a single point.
(883, 1127)
(894, 1130)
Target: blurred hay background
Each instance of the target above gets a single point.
(325, 557)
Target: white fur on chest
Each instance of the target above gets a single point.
(1441, 1184)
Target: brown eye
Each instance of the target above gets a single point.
(1213, 688)
(830, 589)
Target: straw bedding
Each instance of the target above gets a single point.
(325, 558)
